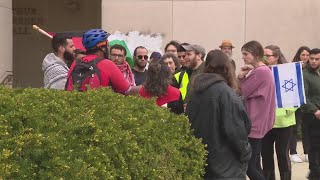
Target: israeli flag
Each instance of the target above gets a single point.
(289, 85)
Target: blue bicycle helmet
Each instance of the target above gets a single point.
(93, 36)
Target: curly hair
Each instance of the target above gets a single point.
(219, 63)
(158, 78)
(170, 55)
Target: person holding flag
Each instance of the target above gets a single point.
(279, 136)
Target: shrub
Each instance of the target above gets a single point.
(48, 134)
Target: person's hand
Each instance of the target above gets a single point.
(317, 114)
(244, 71)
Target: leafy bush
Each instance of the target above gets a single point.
(47, 134)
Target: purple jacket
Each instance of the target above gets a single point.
(258, 91)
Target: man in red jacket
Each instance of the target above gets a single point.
(97, 46)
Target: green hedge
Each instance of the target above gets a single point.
(47, 134)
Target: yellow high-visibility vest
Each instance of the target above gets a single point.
(184, 82)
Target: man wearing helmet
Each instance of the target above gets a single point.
(97, 46)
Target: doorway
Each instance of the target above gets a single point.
(30, 47)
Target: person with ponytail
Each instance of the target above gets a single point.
(279, 135)
(258, 93)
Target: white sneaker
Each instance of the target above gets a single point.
(295, 158)
(306, 158)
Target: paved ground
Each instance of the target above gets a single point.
(299, 170)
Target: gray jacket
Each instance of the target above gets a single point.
(55, 72)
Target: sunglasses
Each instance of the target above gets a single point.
(145, 57)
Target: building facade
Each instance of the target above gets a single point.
(288, 24)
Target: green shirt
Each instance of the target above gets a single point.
(285, 117)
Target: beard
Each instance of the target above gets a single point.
(105, 51)
(106, 54)
(193, 63)
(68, 58)
(229, 54)
(141, 66)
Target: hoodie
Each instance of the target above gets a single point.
(55, 72)
(218, 116)
(202, 81)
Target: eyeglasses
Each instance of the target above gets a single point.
(116, 55)
(145, 57)
(268, 55)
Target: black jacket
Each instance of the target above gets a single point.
(218, 116)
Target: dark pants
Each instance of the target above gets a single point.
(254, 171)
(313, 126)
(293, 139)
(280, 137)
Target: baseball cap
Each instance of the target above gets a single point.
(155, 55)
(195, 47)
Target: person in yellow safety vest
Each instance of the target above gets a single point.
(183, 74)
(181, 81)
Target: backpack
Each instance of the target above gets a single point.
(84, 75)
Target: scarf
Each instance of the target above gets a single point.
(127, 73)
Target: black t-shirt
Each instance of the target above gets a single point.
(139, 77)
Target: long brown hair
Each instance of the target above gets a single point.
(219, 63)
(300, 50)
(158, 78)
(277, 53)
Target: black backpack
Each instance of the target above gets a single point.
(84, 75)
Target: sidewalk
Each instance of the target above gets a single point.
(299, 170)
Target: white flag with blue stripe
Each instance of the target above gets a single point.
(289, 85)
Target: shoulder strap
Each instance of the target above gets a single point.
(97, 60)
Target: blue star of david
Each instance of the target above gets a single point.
(288, 85)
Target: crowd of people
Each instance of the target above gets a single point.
(234, 114)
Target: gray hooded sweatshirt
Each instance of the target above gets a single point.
(55, 72)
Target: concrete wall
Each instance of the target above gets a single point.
(5, 39)
(288, 24)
